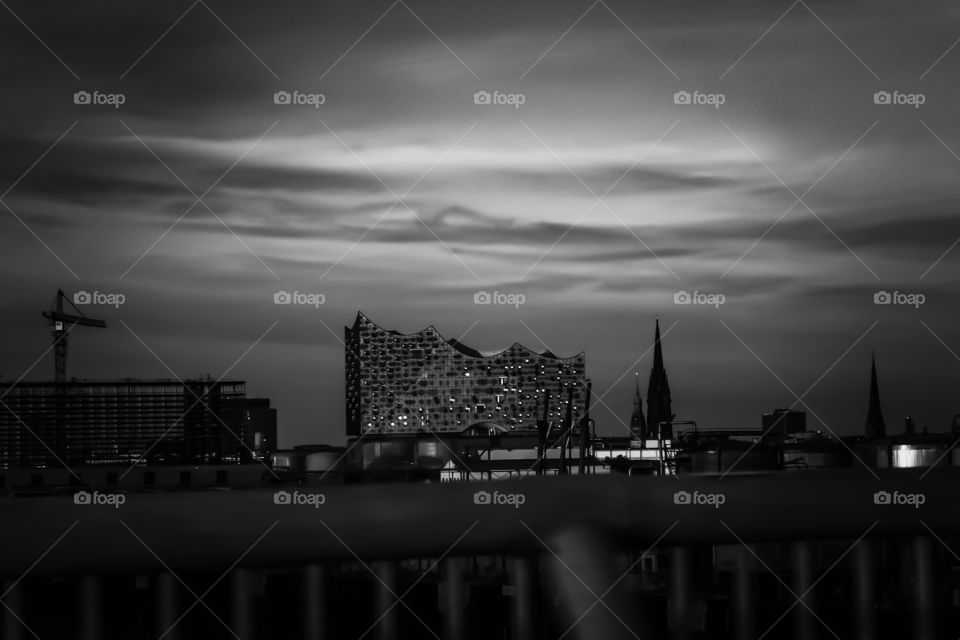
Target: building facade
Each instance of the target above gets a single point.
(126, 421)
(420, 382)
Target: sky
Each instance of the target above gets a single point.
(787, 163)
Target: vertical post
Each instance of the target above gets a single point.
(864, 590)
(804, 622)
(314, 602)
(585, 569)
(91, 617)
(167, 614)
(385, 589)
(241, 603)
(453, 599)
(521, 607)
(681, 592)
(744, 603)
(924, 600)
(12, 594)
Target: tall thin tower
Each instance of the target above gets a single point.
(659, 406)
(638, 425)
(875, 427)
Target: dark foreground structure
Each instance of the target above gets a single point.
(833, 553)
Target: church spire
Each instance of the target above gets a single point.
(638, 426)
(659, 406)
(874, 427)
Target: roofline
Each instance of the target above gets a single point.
(457, 345)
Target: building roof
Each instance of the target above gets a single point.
(459, 346)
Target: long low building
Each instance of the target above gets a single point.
(43, 424)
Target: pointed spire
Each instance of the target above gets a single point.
(875, 427)
(638, 425)
(659, 405)
(657, 351)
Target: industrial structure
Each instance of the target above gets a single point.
(133, 421)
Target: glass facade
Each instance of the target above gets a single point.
(413, 383)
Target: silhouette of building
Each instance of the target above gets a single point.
(126, 421)
(781, 423)
(659, 406)
(875, 427)
(638, 425)
(420, 382)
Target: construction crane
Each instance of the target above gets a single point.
(62, 323)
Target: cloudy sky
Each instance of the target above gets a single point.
(626, 153)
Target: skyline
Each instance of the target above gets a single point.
(597, 199)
